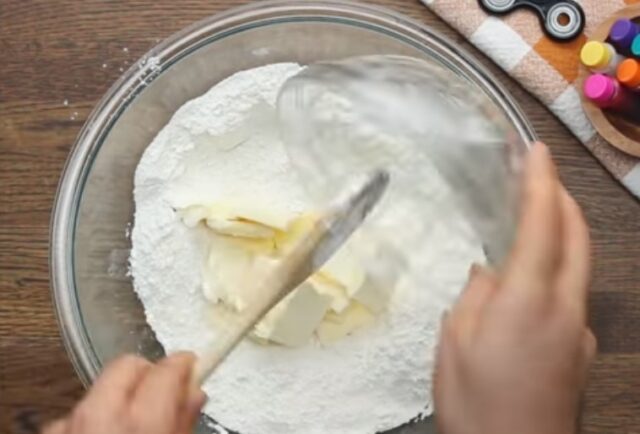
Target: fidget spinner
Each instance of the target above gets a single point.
(561, 20)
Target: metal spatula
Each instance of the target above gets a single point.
(335, 225)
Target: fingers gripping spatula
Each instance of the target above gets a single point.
(334, 226)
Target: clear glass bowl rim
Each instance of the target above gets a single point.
(132, 82)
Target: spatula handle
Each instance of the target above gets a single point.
(223, 346)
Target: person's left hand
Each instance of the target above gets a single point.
(134, 396)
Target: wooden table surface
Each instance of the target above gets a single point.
(60, 56)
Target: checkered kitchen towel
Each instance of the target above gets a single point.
(546, 68)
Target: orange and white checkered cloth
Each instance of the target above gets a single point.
(547, 69)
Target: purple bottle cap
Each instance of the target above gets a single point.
(600, 89)
(622, 33)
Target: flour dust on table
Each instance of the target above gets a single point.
(215, 191)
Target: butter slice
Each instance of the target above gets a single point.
(293, 321)
(249, 213)
(285, 240)
(193, 215)
(339, 299)
(239, 228)
(337, 326)
(245, 241)
(373, 296)
(256, 246)
(343, 269)
(224, 273)
(237, 220)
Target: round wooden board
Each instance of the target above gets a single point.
(619, 132)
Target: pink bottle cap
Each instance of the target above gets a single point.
(600, 89)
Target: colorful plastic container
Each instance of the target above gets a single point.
(600, 57)
(629, 74)
(635, 46)
(607, 93)
(622, 34)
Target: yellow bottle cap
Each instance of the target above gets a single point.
(595, 54)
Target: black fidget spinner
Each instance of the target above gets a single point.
(562, 20)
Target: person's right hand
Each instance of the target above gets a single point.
(515, 349)
(134, 396)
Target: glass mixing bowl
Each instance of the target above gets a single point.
(98, 311)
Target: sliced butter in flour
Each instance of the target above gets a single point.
(237, 220)
(293, 321)
(324, 286)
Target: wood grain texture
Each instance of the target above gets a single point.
(72, 50)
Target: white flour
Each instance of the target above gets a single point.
(372, 381)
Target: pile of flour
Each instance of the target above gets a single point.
(223, 145)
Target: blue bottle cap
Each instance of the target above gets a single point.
(635, 46)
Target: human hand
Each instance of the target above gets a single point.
(515, 349)
(134, 396)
